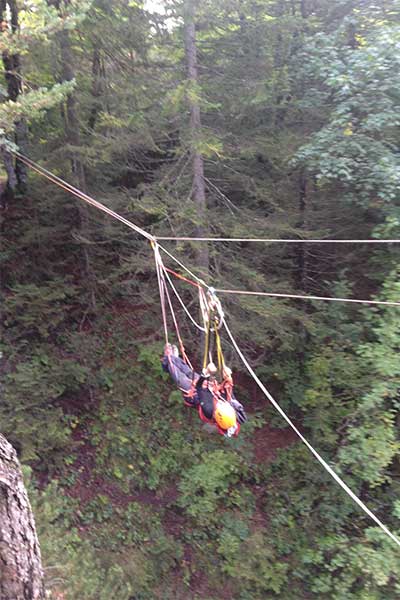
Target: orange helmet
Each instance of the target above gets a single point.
(225, 415)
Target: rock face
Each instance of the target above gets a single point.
(21, 575)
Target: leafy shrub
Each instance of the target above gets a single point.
(86, 567)
(208, 485)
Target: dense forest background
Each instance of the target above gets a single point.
(227, 118)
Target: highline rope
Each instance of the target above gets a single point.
(276, 240)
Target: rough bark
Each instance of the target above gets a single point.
(198, 184)
(21, 574)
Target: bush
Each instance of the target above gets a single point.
(206, 486)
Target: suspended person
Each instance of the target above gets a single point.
(218, 408)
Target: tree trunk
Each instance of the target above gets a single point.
(97, 87)
(303, 9)
(198, 184)
(7, 193)
(21, 139)
(303, 250)
(71, 116)
(72, 131)
(21, 575)
(17, 174)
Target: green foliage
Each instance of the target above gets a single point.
(299, 111)
(38, 19)
(343, 564)
(260, 570)
(235, 531)
(32, 106)
(371, 446)
(207, 485)
(141, 443)
(30, 414)
(372, 442)
(357, 145)
(32, 310)
(90, 574)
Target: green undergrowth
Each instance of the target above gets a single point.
(136, 500)
(140, 491)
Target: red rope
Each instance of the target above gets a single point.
(179, 276)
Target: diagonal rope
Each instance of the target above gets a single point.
(86, 198)
(161, 288)
(329, 469)
(200, 281)
(79, 194)
(179, 276)
(178, 333)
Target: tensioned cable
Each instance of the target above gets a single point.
(276, 240)
(86, 198)
(329, 469)
(200, 281)
(179, 276)
(178, 333)
(76, 192)
(201, 300)
(300, 297)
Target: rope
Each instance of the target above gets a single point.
(329, 469)
(220, 355)
(181, 301)
(275, 240)
(179, 276)
(161, 287)
(215, 304)
(79, 194)
(204, 308)
(200, 281)
(298, 296)
(207, 355)
(86, 198)
(178, 334)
